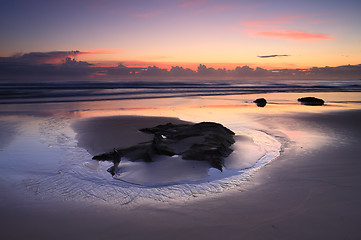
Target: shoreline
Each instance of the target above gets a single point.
(310, 191)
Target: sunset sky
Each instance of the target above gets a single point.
(227, 33)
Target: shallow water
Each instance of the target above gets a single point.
(45, 161)
(40, 156)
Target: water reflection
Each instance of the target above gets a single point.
(44, 150)
(8, 130)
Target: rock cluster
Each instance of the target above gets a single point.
(205, 141)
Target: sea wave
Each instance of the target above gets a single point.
(98, 91)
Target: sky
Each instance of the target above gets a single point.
(274, 34)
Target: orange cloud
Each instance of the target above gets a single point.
(98, 51)
(262, 23)
(291, 34)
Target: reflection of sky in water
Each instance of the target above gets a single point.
(38, 145)
(28, 154)
(9, 130)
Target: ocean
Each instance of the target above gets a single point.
(148, 89)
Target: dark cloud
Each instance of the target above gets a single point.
(209, 72)
(120, 70)
(42, 66)
(35, 67)
(40, 57)
(273, 56)
(180, 71)
(154, 72)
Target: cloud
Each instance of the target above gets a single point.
(16, 69)
(28, 67)
(98, 51)
(42, 57)
(180, 71)
(275, 21)
(282, 28)
(291, 34)
(52, 57)
(273, 56)
(55, 65)
(280, 21)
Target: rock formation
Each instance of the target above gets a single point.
(311, 101)
(205, 141)
(261, 102)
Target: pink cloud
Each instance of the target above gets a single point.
(321, 21)
(279, 21)
(291, 34)
(188, 4)
(274, 21)
(279, 27)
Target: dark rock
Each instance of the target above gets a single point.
(213, 149)
(261, 102)
(311, 101)
(161, 145)
(114, 157)
(205, 141)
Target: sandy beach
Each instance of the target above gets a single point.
(311, 191)
(180, 120)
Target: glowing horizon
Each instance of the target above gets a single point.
(187, 33)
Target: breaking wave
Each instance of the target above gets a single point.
(98, 91)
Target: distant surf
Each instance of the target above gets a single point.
(99, 91)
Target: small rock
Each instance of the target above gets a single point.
(311, 101)
(261, 102)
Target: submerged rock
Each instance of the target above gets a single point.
(261, 102)
(311, 101)
(205, 141)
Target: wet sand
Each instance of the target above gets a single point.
(102, 134)
(312, 191)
